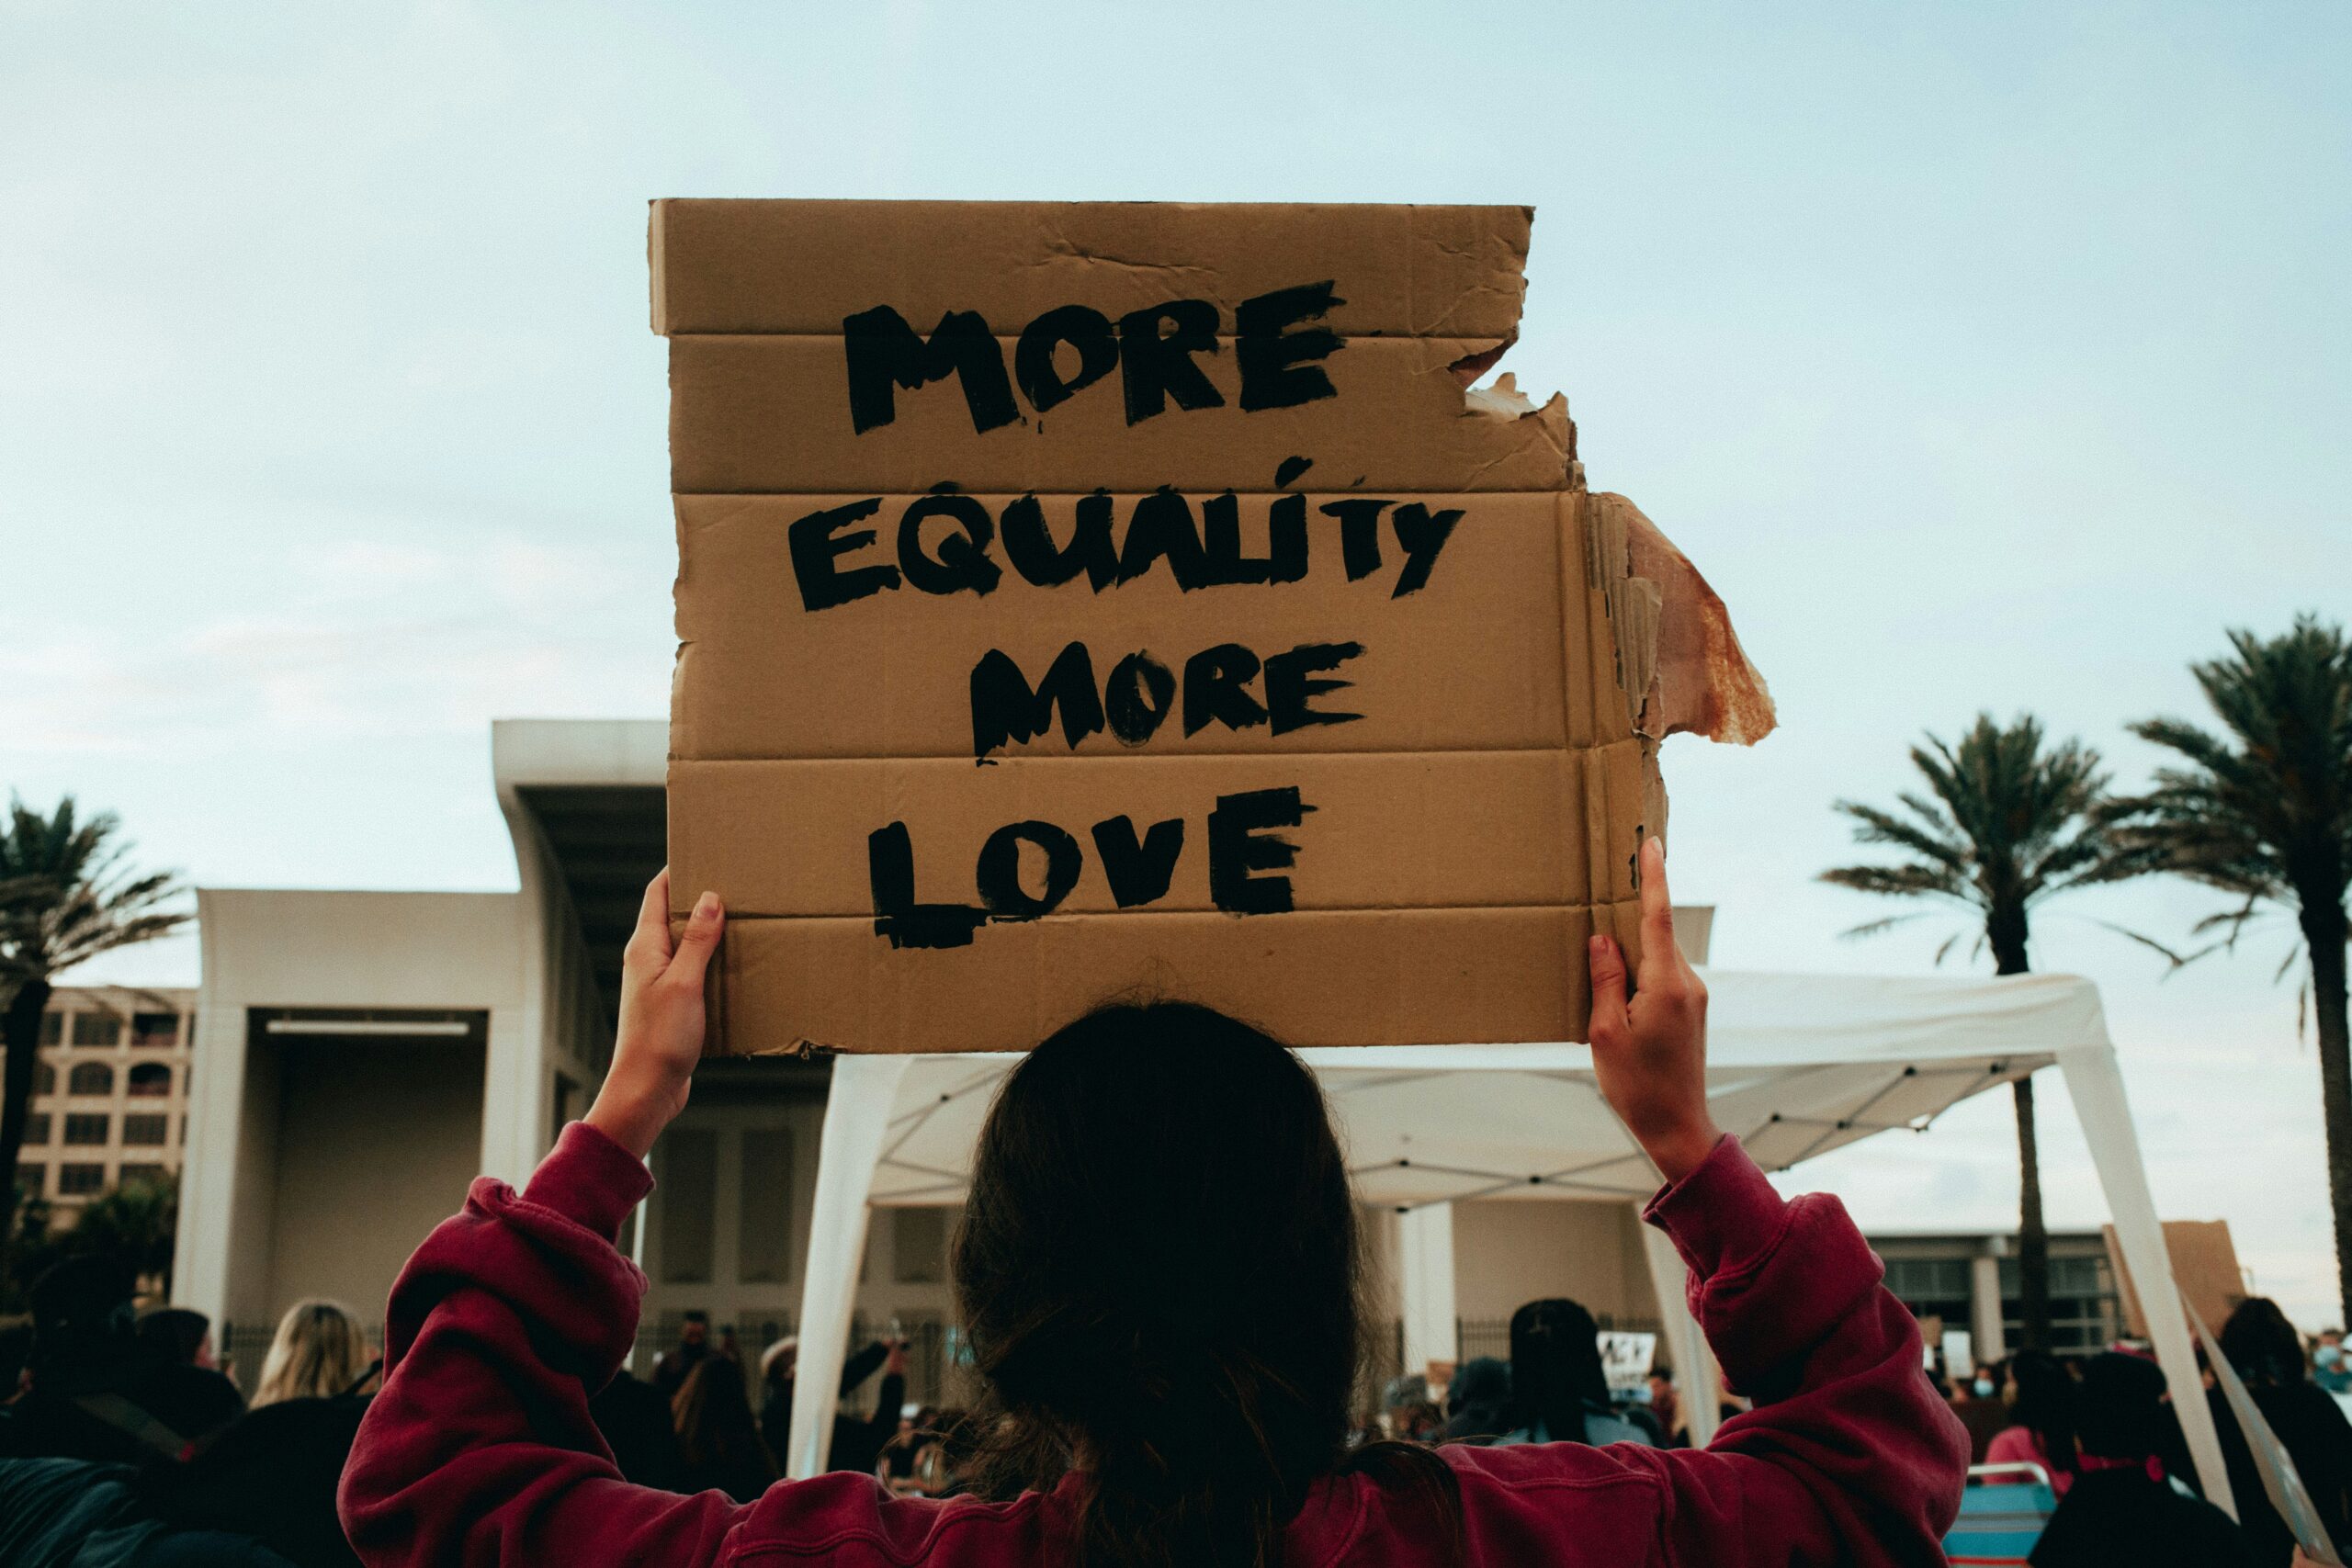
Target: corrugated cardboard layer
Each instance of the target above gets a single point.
(1471, 660)
(1377, 978)
(770, 415)
(773, 266)
(1432, 829)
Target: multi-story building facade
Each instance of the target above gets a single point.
(109, 1102)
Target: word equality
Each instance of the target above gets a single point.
(947, 542)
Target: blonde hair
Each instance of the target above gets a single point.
(319, 1351)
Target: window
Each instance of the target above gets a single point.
(80, 1180)
(149, 1080)
(146, 1130)
(97, 1028)
(32, 1180)
(52, 1028)
(143, 1175)
(1932, 1287)
(763, 1227)
(90, 1078)
(919, 1245)
(44, 1078)
(37, 1127)
(86, 1129)
(156, 1029)
(689, 1188)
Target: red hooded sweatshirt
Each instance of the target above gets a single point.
(480, 1451)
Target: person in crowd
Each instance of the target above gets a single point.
(2329, 1368)
(269, 1475)
(2041, 1419)
(93, 1390)
(2268, 1354)
(1158, 1268)
(1559, 1391)
(947, 1444)
(896, 1468)
(75, 1513)
(1976, 1400)
(318, 1351)
(857, 1440)
(637, 1426)
(177, 1334)
(671, 1368)
(719, 1441)
(1477, 1402)
(2119, 1513)
(1666, 1404)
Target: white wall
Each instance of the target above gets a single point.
(290, 949)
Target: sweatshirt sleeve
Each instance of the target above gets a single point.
(480, 1448)
(1848, 1457)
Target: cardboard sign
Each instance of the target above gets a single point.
(1626, 1359)
(1090, 599)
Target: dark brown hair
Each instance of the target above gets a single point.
(1159, 1271)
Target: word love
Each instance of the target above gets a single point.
(1138, 867)
(947, 542)
(1156, 350)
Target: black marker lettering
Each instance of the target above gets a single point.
(1000, 870)
(884, 353)
(1238, 845)
(1161, 525)
(1006, 711)
(963, 560)
(1139, 871)
(1276, 372)
(890, 871)
(1155, 367)
(1138, 697)
(1087, 331)
(1290, 682)
(1029, 544)
(1422, 532)
(1217, 686)
(817, 542)
(1359, 533)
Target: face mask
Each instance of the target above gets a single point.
(1982, 1388)
(2328, 1355)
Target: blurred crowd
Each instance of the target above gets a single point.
(123, 1443)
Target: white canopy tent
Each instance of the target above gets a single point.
(1798, 1065)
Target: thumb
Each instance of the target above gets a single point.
(697, 942)
(1608, 962)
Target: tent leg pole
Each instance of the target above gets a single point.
(2097, 1084)
(857, 1117)
(1425, 1283)
(1695, 1373)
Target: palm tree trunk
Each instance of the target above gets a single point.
(2033, 1235)
(2323, 936)
(21, 1030)
(2004, 930)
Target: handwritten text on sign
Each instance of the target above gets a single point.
(946, 542)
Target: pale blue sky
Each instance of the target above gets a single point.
(1983, 356)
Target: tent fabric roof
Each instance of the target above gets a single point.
(1798, 1065)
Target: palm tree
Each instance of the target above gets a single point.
(2008, 822)
(2263, 811)
(65, 897)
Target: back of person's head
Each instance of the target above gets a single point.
(83, 1316)
(1556, 1370)
(2261, 1344)
(712, 1413)
(1159, 1270)
(2120, 1409)
(2046, 1401)
(175, 1333)
(779, 1361)
(1481, 1383)
(319, 1351)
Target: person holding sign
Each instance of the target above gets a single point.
(1158, 1269)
